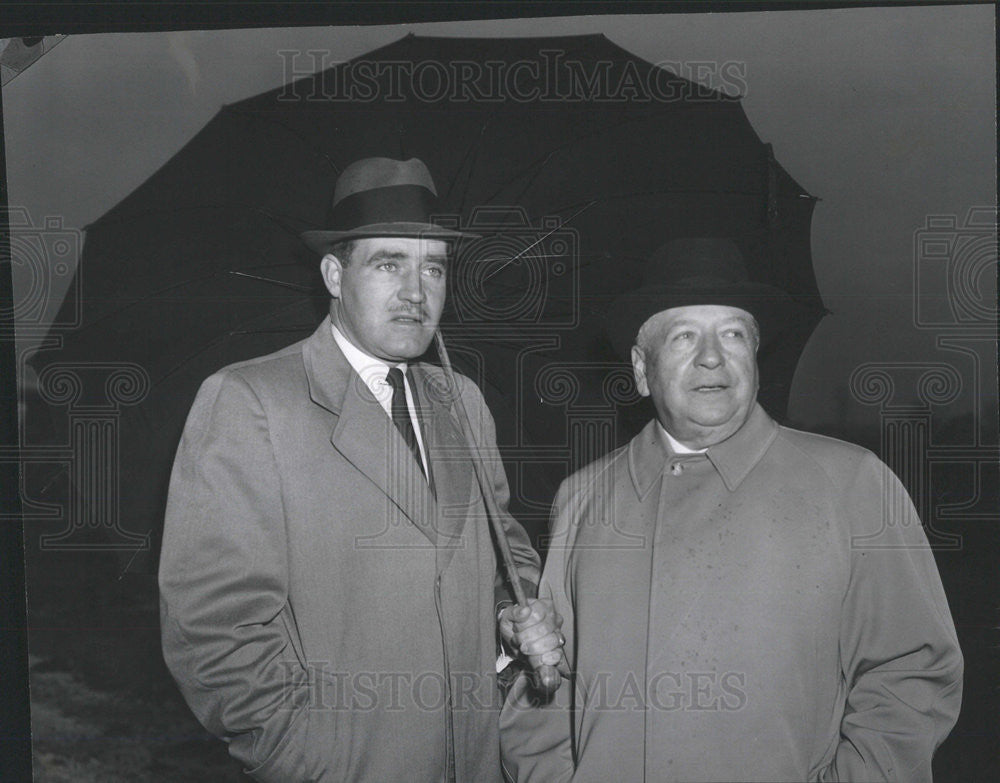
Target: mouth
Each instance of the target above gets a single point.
(405, 319)
(711, 388)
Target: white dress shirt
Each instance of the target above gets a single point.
(676, 446)
(373, 372)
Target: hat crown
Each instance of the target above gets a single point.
(382, 197)
(696, 260)
(371, 173)
(695, 271)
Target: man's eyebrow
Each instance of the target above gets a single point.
(386, 255)
(689, 322)
(681, 323)
(400, 255)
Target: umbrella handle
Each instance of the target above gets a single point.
(547, 678)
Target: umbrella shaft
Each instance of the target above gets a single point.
(478, 465)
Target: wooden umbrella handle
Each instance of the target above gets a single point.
(547, 678)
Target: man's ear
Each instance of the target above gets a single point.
(639, 370)
(331, 269)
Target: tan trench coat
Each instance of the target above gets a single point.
(321, 610)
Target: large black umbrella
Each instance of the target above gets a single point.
(572, 157)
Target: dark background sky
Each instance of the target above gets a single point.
(885, 114)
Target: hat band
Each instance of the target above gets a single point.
(390, 204)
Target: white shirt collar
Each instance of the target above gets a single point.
(373, 372)
(371, 369)
(676, 446)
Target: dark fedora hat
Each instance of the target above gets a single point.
(382, 197)
(696, 271)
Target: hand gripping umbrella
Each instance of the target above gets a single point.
(547, 678)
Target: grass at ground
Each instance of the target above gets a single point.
(82, 734)
(104, 709)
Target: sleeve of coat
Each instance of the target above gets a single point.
(899, 651)
(525, 557)
(535, 735)
(227, 630)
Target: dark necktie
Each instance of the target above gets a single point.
(401, 414)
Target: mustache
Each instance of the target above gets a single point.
(411, 312)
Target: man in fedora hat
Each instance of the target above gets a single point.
(741, 601)
(329, 588)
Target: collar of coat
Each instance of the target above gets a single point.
(329, 374)
(733, 458)
(327, 370)
(362, 424)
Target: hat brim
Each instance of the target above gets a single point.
(771, 307)
(322, 241)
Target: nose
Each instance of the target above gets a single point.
(412, 287)
(709, 352)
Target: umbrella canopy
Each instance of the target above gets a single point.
(573, 159)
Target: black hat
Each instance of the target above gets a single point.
(382, 197)
(696, 271)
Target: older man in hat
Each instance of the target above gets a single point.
(742, 601)
(329, 585)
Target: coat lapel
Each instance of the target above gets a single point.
(449, 457)
(364, 434)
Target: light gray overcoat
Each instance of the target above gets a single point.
(767, 611)
(321, 610)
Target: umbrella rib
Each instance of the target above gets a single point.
(160, 291)
(281, 220)
(240, 329)
(143, 299)
(466, 274)
(270, 119)
(587, 205)
(508, 258)
(133, 216)
(533, 169)
(472, 152)
(511, 260)
(477, 145)
(664, 192)
(539, 164)
(276, 266)
(261, 278)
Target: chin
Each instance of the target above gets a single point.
(411, 349)
(713, 417)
